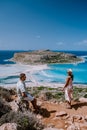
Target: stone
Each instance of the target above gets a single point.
(82, 99)
(61, 113)
(77, 117)
(71, 127)
(14, 106)
(8, 126)
(51, 129)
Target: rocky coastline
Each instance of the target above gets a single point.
(53, 114)
(45, 57)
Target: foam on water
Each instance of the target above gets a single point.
(9, 73)
(46, 74)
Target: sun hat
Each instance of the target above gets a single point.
(69, 70)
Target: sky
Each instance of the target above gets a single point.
(43, 24)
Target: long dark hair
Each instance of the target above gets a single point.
(72, 76)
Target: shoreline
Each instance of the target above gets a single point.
(29, 69)
(45, 84)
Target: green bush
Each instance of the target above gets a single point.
(41, 88)
(85, 95)
(79, 90)
(49, 95)
(58, 95)
(51, 88)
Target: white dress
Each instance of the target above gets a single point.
(69, 91)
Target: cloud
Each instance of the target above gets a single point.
(38, 36)
(59, 43)
(84, 42)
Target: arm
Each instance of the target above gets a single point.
(22, 90)
(24, 94)
(67, 82)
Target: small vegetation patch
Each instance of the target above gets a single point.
(85, 95)
(58, 95)
(7, 94)
(41, 88)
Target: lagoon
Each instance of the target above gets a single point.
(51, 73)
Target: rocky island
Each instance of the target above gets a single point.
(45, 57)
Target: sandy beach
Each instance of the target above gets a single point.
(29, 70)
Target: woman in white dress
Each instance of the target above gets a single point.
(68, 88)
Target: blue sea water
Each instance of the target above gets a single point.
(5, 55)
(58, 72)
(9, 71)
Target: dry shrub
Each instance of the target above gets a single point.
(6, 94)
(25, 121)
(4, 107)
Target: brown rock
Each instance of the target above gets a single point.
(61, 113)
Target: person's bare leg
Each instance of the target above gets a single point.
(69, 102)
(68, 105)
(34, 103)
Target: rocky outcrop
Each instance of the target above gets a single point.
(44, 56)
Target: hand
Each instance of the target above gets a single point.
(24, 94)
(63, 89)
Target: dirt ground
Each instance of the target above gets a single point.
(48, 112)
(49, 109)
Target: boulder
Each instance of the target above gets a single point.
(8, 126)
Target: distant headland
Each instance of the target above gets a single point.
(45, 57)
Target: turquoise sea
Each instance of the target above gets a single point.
(53, 73)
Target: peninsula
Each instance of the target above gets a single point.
(45, 57)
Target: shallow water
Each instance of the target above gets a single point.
(53, 73)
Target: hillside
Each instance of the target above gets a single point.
(52, 114)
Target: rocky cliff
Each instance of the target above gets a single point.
(44, 56)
